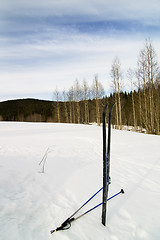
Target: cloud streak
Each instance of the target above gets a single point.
(92, 9)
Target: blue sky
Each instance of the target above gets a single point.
(51, 43)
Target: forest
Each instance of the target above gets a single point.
(139, 108)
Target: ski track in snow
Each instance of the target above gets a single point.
(32, 203)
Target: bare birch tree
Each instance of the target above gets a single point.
(157, 105)
(130, 77)
(139, 97)
(85, 99)
(71, 97)
(65, 106)
(77, 94)
(98, 92)
(57, 95)
(116, 75)
(142, 79)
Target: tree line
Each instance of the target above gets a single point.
(139, 108)
(81, 103)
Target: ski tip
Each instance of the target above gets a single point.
(122, 191)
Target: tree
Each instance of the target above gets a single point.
(57, 95)
(116, 75)
(65, 106)
(71, 105)
(77, 94)
(142, 79)
(85, 99)
(98, 92)
(139, 98)
(157, 105)
(130, 77)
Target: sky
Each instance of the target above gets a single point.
(49, 44)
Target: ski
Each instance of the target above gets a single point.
(106, 161)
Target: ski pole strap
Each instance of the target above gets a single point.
(64, 226)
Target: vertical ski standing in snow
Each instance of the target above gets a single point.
(106, 161)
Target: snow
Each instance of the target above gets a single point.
(33, 202)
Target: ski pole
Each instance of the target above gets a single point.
(67, 223)
(86, 203)
(122, 191)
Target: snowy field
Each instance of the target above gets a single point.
(32, 202)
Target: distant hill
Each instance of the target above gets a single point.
(27, 110)
(34, 110)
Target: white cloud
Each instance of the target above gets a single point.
(79, 47)
(42, 44)
(82, 60)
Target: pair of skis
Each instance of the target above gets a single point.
(106, 160)
(106, 179)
